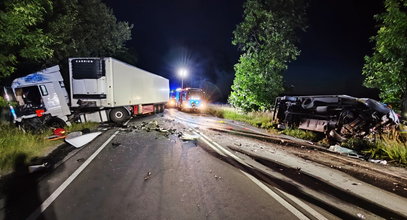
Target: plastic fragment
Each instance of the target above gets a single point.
(36, 168)
(147, 176)
(384, 162)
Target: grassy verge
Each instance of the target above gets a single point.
(14, 143)
(388, 147)
(298, 133)
(258, 119)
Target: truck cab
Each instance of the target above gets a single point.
(41, 94)
(191, 99)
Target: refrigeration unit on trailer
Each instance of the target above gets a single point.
(122, 89)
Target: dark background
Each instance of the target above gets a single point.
(198, 33)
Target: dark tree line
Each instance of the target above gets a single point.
(268, 35)
(44, 32)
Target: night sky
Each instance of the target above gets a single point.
(197, 34)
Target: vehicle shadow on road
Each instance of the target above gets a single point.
(21, 192)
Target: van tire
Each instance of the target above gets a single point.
(119, 115)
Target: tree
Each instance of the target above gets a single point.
(267, 37)
(20, 37)
(36, 33)
(86, 28)
(386, 68)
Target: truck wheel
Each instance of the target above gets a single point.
(118, 115)
(55, 123)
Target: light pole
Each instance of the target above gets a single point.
(182, 72)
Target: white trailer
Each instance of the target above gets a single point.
(100, 89)
(107, 83)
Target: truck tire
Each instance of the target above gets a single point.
(55, 122)
(119, 115)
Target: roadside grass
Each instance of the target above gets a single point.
(392, 147)
(14, 143)
(257, 119)
(386, 147)
(302, 134)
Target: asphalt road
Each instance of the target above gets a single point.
(146, 175)
(157, 168)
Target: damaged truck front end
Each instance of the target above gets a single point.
(338, 116)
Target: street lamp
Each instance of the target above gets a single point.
(182, 72)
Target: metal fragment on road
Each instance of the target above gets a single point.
(36, 168)
(77, 139)
(147, 176)
(190, 137)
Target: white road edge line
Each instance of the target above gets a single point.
(287, 205)
(125, 123)
(68, 181)
(222, 151)
(310, 210)
(210, 145)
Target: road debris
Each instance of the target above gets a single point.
(217, 177)
(384, 162)
(80, 160)
(361, 216)
(190, 137)
(36, 168)
(147, 176)
(78, 139)
(345, 151)
(116, 144)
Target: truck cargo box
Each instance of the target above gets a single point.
(109, 83)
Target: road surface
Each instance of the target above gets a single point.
(156, 167)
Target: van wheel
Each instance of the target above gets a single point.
(119, 115)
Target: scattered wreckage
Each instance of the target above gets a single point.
(338, 116)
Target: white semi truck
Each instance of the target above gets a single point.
(101, 89)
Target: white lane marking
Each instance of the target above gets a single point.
(303, 205)
(225, 151)
(211, 146)
(218, 148)
(68, 181)
(125, 123)
(287, 205)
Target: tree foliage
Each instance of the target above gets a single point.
(38, 32)
(267, 37)
(20, 36)
(386, 68)
(86, 28)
